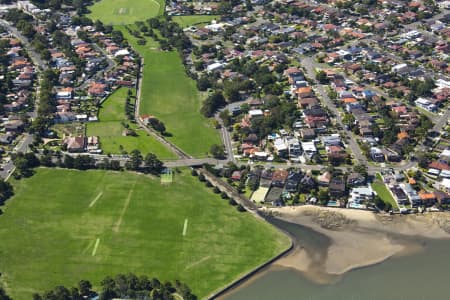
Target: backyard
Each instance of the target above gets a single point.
(77, 225)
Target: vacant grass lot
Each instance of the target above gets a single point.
(110, 128)
(117, 12)
(51, 226)
(382, 191)
(170, 95)
(187, 21)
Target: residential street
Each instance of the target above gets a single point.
(37, 61)
(111, 65)
(309, 64)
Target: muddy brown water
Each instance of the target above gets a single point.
(422, 275)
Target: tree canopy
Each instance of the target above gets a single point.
(124, 286)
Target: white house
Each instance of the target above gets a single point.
(64, 95)
(359, 196)
(255, 113)
(399, 67)
(214, 67)
(309, 149)
(425, 104)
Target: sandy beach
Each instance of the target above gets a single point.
(358, 238)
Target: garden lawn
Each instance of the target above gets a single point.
(187, 21)
(170, 95)
(110, 129)
(50, 227)
(382, 191)
(117, 12)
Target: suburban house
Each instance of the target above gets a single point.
(360, 196)
(337, 187)
(76, 144)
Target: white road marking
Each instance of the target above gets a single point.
(95, 247)
(185, 227)
(96, 199)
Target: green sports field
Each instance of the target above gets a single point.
(110, 129)
(65, 225)
(117, 12)
(170, 95)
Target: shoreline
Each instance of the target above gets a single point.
(358, 238)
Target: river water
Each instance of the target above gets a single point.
(422, 275)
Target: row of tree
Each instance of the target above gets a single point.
(47, 102)
(216, 190)
(123, 286)
(129, 106)
(25, 163)
(6, 192)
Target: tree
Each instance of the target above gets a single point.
(231, 90)
(85, 287)
(361, 169)
(217, 151)
(157, 125)
(201, 177)
(348, 119)
(323, 196)
(321, 76)
(135, 161)
(46, 160)
(6, 191)
(240, 208)
(99, 26)
(212, 103)
(25, 163)
(115, 165)
(203, 83)
(69, 161)
(153, 164)
(83, 162)
(226, 117)
(117, 36)
(423, 160)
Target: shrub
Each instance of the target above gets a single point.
(224, 195)
(216, 190)
(232, 202)
(240, 208)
